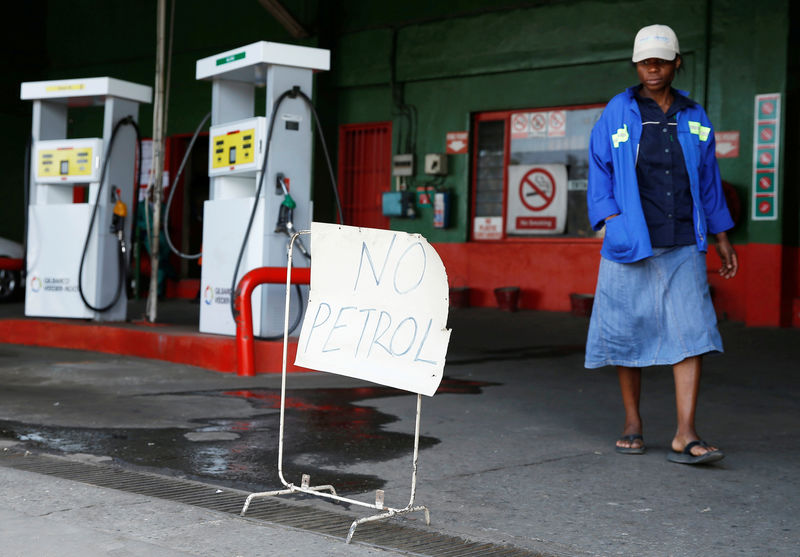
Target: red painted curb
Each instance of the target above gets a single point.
(214, 352)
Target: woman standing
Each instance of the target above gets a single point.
(654, 184)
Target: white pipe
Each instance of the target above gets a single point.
(158, 159)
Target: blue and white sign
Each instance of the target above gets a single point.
(377, 308)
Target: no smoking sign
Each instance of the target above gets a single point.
(537, 189)
(540, 203)
(557, 123)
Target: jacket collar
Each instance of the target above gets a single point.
(631, 94)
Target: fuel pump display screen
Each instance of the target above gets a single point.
(70, 160)
(237, 144)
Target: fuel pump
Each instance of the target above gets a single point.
(244, 223)
(77, 245)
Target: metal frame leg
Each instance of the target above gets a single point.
(328, 491)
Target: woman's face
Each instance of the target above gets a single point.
(656, 74)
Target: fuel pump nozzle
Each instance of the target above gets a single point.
(118, 218)
(285, 222)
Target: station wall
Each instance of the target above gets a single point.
(451, 60)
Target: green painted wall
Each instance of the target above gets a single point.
(449, 59)
(23, 59)
(749, 57)
(558, 53)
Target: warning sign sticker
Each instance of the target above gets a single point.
(766, 152)
(557, 123)
(537, 199)
(487, 228)
(766, 181)
(543, 123)
(537, 189)
(538, 124)
(520, 125)
(727, 144)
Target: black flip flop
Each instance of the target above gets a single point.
(630, 439)
(686, 457)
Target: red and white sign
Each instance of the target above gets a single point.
(537, 199)
(457, 143)
(487, 228)
(538, 124)
(537, 189)
(727, 144)
(557, 123)
(519, 125)
(766, 153)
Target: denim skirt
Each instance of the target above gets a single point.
(656, 311)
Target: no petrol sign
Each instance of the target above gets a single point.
(377, 308)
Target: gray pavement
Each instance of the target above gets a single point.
(526, 459)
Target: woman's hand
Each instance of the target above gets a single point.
(730, 263)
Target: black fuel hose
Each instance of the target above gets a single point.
(174, 187)
(284, 95)
(128, 120)
(294, 92)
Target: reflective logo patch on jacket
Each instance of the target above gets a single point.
(699, 130)
(621, 136)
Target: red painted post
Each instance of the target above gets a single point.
(243, 310)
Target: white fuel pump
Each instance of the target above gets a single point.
(258, 166)
(76, 248)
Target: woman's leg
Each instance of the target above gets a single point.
(630, 384)
(687, 385)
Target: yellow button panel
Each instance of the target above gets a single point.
(233, 148)
(65, 162)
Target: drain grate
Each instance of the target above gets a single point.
(385, 535)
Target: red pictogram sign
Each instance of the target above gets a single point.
(727, 144)
(538, 122)
(457, 142)
(537, 189)
(766, 153)
(519, 123)
(557, 122)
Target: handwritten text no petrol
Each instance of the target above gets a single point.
(366, 330)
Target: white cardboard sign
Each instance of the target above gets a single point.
(377, 308)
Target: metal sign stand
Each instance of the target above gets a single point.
(328, 491)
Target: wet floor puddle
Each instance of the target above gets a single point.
(327, 428)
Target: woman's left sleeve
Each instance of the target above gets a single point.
(711, 194)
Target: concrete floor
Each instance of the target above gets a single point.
(517, 449)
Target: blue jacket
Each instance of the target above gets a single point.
(613, 188)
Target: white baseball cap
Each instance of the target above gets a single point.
(655, 41)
